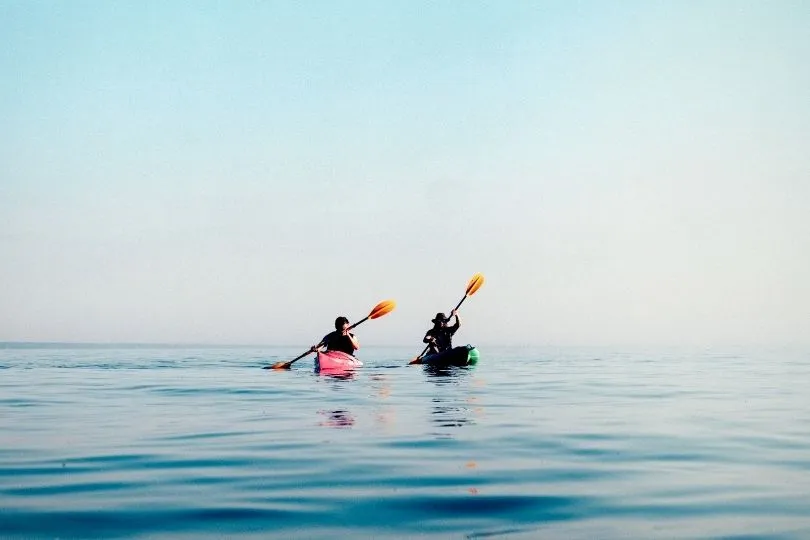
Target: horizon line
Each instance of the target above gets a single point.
(188, 345)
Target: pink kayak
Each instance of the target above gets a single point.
(336, 360)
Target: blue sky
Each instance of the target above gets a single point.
(634, 173)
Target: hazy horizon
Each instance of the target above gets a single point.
(489, 349)
(633, 173)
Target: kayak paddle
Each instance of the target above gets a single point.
(472, 287)
(383, 308)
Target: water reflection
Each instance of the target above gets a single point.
(448, 414)
(446, 375)
(338, 374)
(384, 412)
(381, 386)
(336, 380)
(337, 419)
(451, 402)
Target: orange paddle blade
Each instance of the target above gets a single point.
(281, 365)
(475, 284)
(383, 308)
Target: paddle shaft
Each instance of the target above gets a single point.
(461, 302)
(358, 323)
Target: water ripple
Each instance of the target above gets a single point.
(557, 443)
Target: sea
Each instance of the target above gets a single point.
(138, 441)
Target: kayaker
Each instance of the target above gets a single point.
(440, 337)
(339, 340)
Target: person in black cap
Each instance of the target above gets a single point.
(339, 340)
(440, 337)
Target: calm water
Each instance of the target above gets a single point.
(552, 443)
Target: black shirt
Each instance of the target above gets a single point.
(443, 335)
(336, 341)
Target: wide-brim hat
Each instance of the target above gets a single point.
(440, 317)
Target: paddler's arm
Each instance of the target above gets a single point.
(319, 345)
(458, 321)
(355, 343)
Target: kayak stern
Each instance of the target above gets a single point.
(465, 355)
(335, 360)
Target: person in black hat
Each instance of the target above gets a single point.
(339, 340)
(440, 337)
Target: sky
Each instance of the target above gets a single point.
(242, 173)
